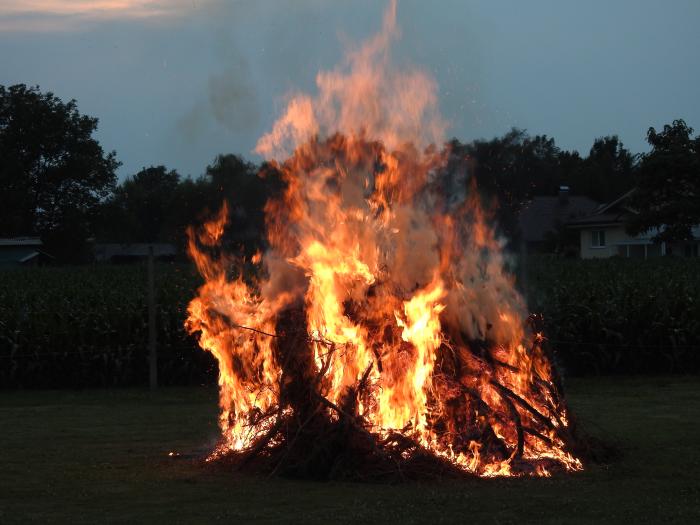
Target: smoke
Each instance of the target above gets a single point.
(366, 95)
(230, 101)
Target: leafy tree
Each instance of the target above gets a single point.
(246, 188)
(53, 173)
(668, 184)
(513, 169)
(142, 207)
(157, 205)
(607, 172)
(194, 200)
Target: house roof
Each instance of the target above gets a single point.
(20, 241)
(599, 219)
(616, 213)
(19, 250)
(20, 254)
(617, 203)
(543, 215)
(613, 212)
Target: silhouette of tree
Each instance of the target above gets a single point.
(157, 205)
(668, 184)
(246, 188)
(53, 173)
(512, 169)
(142, 207)
(607, 172)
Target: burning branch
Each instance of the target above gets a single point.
(382, 335)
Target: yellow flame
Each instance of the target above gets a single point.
(393, 285)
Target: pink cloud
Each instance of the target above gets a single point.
(62, 15)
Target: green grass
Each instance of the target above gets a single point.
(100, 456)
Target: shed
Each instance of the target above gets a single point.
(23, 251)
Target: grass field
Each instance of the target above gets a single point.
(100, 456)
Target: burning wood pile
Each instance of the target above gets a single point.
(382, 336)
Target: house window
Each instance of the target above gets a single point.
(598, 238)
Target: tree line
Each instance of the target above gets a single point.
(59, 183)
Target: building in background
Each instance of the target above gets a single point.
(543, 222)
(603, 234)
(23, 251)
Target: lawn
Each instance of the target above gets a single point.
(102, 456)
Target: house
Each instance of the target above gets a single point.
(132, 252)
(23, 251)
(545, 217)
(603, 234)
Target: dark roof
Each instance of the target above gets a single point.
(21, 241)
(21, 250)
(615, 217)
(106, 251)
(617, 212)
(20, 255)
(544, 215)
(614, 212)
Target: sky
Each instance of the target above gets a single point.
(176, 82)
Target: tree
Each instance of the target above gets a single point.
(142, 207)
(668, 184)
(53, 173)
(513, 169)
(157, 205)
(607, 172)
(246, 188)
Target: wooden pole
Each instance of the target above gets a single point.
(152, 354)
(523, 268)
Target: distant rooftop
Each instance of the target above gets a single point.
(544, 214)
(20, 241)
(22, 250)
(613, 212)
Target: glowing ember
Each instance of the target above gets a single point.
(380, 303)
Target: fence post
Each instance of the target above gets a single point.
(152, 355)
(522, 269)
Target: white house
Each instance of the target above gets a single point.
(602, 234)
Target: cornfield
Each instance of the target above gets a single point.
(619, 315)
(87, 326)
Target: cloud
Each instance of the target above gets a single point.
(67, 15)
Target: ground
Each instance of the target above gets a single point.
(102, 456)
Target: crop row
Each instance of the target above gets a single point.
(87, 326)
(619, 315)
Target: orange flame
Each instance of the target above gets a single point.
(399, 289)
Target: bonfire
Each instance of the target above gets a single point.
(379, 334)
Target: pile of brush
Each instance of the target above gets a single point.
(308, 436)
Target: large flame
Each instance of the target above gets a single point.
(402, 290)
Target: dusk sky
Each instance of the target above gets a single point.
(176, 82)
